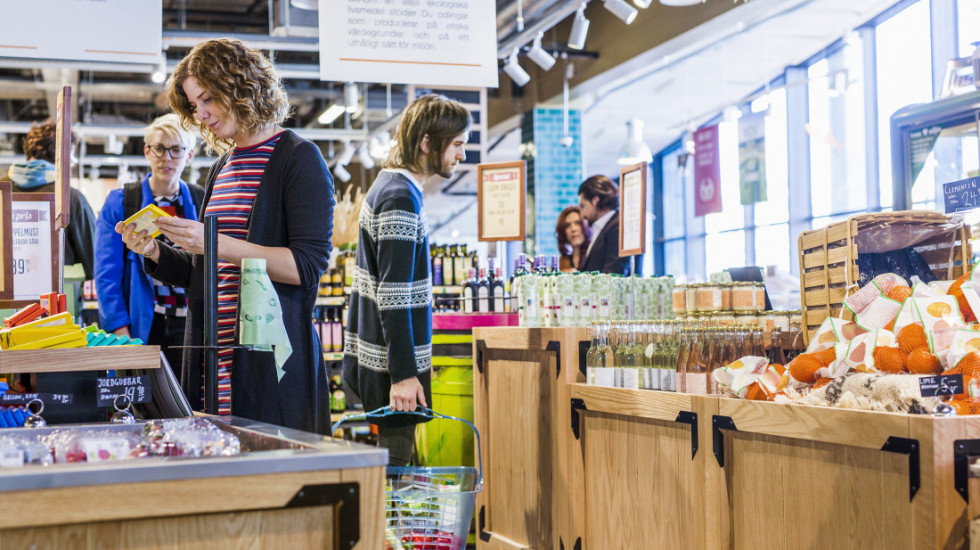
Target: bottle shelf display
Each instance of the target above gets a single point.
(547, 298)
(676, 355)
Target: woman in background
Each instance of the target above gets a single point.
(573, 238)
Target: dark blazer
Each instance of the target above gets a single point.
(293, 208)
(604, 256)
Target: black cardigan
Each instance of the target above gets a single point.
(293, 208)
(604, 256)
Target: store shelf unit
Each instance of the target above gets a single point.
(566, 461)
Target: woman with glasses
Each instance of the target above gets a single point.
(132, 303)
(273, 198)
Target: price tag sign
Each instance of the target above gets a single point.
(632, 210)
(136, 388)
(500, 198)
(46, 398)
(930, 386)
(961, 195)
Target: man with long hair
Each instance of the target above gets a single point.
(388, 343)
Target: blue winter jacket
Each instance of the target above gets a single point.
(125, 291)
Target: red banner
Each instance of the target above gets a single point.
(707, 172)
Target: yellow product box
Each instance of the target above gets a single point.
(74, 339)
(16, 337)
(60, 320)
(144, 219)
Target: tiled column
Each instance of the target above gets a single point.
(554, 173)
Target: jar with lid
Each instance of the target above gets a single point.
(780, 320)
(746, 318)
(692, 297)
(760, 296)
(709, 297)
(679, 296)
(723, 318)
(743, 297)
(726, 296)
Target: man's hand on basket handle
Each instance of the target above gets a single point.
(406, 394)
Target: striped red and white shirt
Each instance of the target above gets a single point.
(231, 201)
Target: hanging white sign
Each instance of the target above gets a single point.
(427, 42)
(125, 31)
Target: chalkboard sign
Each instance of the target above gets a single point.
(136, 388)
(929, 385)
(962, 195)
(46, 398)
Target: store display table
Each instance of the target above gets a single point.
(287, 489)
(569, 464)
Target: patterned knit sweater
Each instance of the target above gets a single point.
(389, 328)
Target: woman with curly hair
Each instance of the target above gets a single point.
(273, 198)
(573, 235)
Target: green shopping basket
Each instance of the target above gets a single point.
(427, 508)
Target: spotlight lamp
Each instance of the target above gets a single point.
(643, 3)
(347, 155)
(621, 9)
(540, 57)
(580, 28)
(350, 96)
(341, 173)
(635, 150)
(515, 71)
(364, 157)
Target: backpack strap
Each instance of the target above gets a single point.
(132, 198)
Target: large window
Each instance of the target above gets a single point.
(968, 29)
(842, 121)
(904, 68)
(836, 129)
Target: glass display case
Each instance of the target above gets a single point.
(223, 482)
(933, 144)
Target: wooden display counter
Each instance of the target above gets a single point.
(665, 470)
(287, 489)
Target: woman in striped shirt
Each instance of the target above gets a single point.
(273, 198)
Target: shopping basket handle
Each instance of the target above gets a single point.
(420, 411)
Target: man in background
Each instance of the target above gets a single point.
(598, 197)
(131, 303)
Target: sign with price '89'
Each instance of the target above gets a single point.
(33, 244)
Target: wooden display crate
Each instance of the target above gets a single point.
(532, 476)
(79, 359)
(650, 478)
(828, 258)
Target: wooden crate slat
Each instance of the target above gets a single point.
(818, 278)
(831, 257)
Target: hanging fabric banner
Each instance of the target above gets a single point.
(752, 158)
(707, 172)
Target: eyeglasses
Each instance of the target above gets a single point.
(159, 150)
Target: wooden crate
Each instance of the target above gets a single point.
(828, 259)
(532, 465)
(650, 477)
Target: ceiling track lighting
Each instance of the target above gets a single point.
(515, 71)
(331, 114)
(365, 157)
(580, 28)
(680, 3)
(643, 3)
(341, 173)
(305, 4)
(621, 9)
(347, 154)
(540, 57)
(160, 72)
(350, 97)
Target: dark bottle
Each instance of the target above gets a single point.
(497, 292)
(469, 292)
(437, 278)
(482, 293)
(474, 260)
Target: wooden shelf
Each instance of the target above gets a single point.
(79, 359)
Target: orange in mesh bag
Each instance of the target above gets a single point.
(956, 291)
(969, 367)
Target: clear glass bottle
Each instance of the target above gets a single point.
(684, 345)
(697, 363)
(667, 358)
(758, 349)
(592, 357)
(775, 353)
